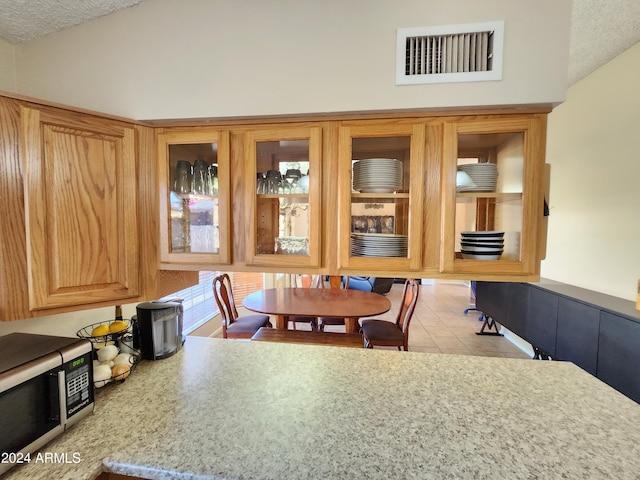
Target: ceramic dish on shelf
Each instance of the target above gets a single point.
(378, 245)
(480, 255)
(377, 175)
(483, 233)
(483, 241)
(484, 249)
(484, 177)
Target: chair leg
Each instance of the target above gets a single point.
(367, 343)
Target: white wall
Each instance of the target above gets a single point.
(65, 324)
(593, 147)
(203, 58)
(7, 67)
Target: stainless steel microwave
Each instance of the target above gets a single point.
(46, 385)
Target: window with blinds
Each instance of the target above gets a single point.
(199, 304)
(452, 53)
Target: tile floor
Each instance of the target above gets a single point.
(439, 324)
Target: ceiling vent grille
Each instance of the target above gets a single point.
(452, 53)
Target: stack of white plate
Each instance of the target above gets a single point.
(378, 245)
(484, 177)
(487, 245)
(377, 175)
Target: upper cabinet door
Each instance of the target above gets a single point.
(81, 204)
(194, 197)
(493, 195)
(283, 202)
(381, 176)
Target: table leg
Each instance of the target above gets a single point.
(281, 322)
(351, 324)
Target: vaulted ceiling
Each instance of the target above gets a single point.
(600, 29)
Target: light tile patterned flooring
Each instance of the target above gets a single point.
(439, 324)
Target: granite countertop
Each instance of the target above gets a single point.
(224, 409)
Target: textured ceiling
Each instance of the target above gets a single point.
(600, 29)
(25, 20)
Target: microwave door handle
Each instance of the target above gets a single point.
(62, 398)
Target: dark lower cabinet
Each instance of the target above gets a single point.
(542, 320)
(597, 332)
(517, 308)
(577, 334)
(619, 354)
(491, 299)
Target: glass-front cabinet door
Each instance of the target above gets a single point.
(283, 202)
(493, 187)
(194, 196)
(381, 195)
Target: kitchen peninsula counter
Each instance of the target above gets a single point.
(223, 409)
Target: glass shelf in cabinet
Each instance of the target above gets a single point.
(300, 197)
(497, 195)
(379, 195)
(196, 196)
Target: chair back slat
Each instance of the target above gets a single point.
(337, 282)
(409, 300)
(306, 280)
(223, 295)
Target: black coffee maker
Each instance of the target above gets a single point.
(157, 328)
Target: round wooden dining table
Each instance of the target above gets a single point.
(317, 302)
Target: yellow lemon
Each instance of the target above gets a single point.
(118, 326)
(100, 331)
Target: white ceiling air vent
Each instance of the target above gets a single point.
(449, 53)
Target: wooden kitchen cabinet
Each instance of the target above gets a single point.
(513, 204)
(80, 187)
(381, 195)
(79, 210)
(194, 192)
(375, 196)
(282, 181)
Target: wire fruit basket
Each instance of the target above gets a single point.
(114, 356)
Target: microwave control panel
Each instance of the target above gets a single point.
(78, 383)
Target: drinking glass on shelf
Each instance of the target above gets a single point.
(183, 177)
(200, 180)
(274, 181)
(261, 183)
(213, 179)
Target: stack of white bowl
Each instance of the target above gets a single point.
(487, 245)
(484, 177)
(377, 175)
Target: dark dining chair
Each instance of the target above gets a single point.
(337, 282)
(233, 325)
(304, 280)
(371, 284)
(393, 334)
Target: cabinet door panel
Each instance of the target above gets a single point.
(492, 181)
(542, 319)
(80, 194)
(194, 176)
(577, 334)
(283, 196)
(381, 182)
(517, 308)
(618, 354)
(491, 299)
